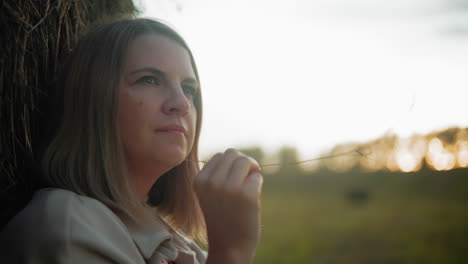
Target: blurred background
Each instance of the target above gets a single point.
(371, 93)
(356, 110)
(376, 90)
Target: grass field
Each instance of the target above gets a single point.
(363, 218)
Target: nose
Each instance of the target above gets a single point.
(176, 103)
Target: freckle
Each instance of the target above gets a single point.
(140, 103)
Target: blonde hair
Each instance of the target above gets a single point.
(86, 154)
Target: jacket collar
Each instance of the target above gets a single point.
(152, 238)
(157, 243)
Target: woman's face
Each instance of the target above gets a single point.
(157, 116)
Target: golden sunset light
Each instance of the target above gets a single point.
(439, 157)
(441, 150)
(462, 154)
(407, 161)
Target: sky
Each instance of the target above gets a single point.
(315, 73)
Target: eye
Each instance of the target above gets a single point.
(151, 80)
(189, 90)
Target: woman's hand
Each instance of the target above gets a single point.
(228, 189)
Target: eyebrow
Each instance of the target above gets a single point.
(148, 69)
(189, 80)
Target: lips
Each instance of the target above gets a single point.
(176, 129)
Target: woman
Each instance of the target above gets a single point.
(125, 185)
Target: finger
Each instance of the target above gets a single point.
(219, 176)
(240, 170)
(253, 187)
(209, 168)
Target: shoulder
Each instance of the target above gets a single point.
(54, 213)
(59, 224)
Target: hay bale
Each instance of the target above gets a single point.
(35, 36)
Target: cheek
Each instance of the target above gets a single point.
(193, 123)
(192, 114)
(126, 109)
(130, 115)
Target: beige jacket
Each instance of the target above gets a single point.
(59, 226)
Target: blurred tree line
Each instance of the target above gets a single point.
(440, 150)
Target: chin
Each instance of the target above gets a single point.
(173, 159)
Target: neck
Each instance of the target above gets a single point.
(143, 177)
